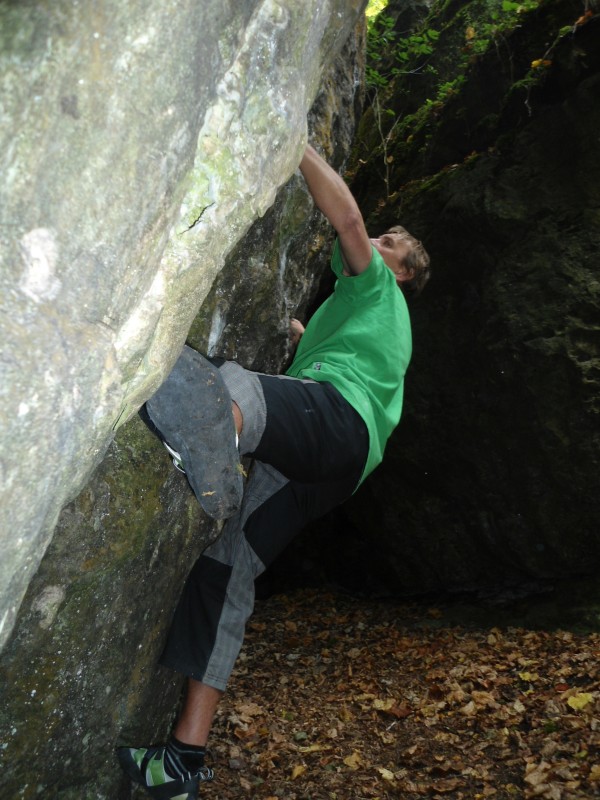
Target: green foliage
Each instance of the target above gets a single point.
(388, 53)
(437, 59)
(498, 17)
(448, 88)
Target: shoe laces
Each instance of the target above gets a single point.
(205, 774)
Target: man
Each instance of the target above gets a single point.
(314, 435)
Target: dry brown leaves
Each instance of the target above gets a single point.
(339, 699)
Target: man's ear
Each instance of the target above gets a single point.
(404, 273)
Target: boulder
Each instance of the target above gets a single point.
(138, 144)
(78, 673)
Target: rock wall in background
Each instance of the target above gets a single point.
(490, 482)
(78, 674)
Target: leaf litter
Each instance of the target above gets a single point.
(338, 698)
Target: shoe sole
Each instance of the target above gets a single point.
(191, 411)
(175, 790)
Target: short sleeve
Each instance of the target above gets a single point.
(372, 279)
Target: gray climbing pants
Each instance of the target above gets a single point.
(309, 448)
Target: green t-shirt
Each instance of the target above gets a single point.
(360, 341)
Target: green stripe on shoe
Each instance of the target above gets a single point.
(155, 773)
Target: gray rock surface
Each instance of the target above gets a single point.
(138, 142)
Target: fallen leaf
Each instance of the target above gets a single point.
(314, 748)
(401, 712)
(584, 18)
(581, 700)
(384, 705)
(484, 699)
(353, 761)
(469, 710)
(250, 709)
(446, 786)
(298, 770)
(529, 677)
(537, 774)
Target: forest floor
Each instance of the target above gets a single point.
(339, 698)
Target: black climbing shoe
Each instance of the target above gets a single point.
(191, 414)
(145, 765)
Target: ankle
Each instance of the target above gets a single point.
(182, 758)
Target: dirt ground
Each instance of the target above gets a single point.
(338, 698)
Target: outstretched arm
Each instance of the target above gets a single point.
(335, 200)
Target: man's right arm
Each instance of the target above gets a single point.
(335, 200)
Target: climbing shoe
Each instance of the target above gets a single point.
(175, 458)
(191, 414)
(145, 765)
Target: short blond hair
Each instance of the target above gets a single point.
(416, 261)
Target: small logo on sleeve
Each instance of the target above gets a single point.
(317, 365)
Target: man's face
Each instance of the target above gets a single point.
(393, 248)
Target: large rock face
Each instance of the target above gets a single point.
(138, 143)
(118, 284)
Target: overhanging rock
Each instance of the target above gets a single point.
(138, 144)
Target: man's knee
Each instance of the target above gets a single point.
(247, 395)
(238, 417)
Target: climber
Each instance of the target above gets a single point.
(314, 434)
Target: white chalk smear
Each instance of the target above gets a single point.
(40, 255)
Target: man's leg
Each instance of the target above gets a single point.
(205, 637)
(209, 624)
(208, 628)
(200, 706)
(312, 434)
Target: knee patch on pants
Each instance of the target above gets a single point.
(246, 390)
